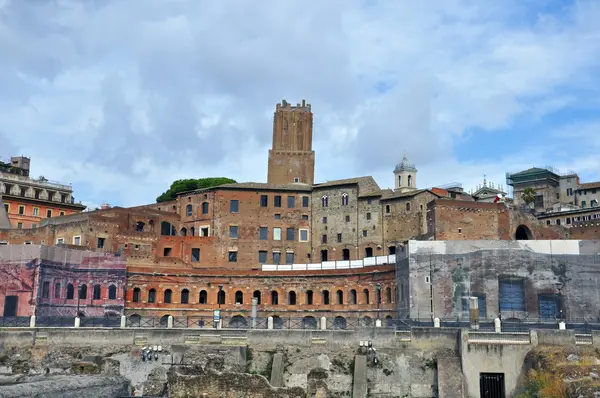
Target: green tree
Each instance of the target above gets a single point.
(190, 185)
(528, 195)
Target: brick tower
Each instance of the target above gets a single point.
(291, 159)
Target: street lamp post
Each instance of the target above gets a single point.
(378, 297)
(559, 287)
(218, 322)
(78, 297)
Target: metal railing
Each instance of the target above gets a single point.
(580, 326)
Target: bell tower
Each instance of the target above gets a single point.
(291, 158)
(405, 175)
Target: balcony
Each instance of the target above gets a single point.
(22, 180)
(332, 265)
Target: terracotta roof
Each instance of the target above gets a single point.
(4, 221)
(366, 185)
(589, 185)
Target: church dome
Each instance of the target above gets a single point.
(405, 165)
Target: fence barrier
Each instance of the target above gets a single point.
(309, 322)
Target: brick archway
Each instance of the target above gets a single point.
(523, 233)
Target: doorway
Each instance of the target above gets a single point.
(491, 385)
(10, 305)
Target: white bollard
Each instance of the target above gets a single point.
(77, 321)
(562, 325)
(323, 323)
(270, 323)
(123, 321)
(220, 323)
(497, 325)
(170, 322)
(378, 323)
(32, 321)
(436, 322)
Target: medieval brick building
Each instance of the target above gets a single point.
(302, 250)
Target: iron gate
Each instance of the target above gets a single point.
(491, 385)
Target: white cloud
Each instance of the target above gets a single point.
(121, 98)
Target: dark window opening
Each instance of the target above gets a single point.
(277, 201)
(291, 202)
(185, 296)
(256, 295)
(203, 299)
(136, 295)
(340, 297)
(152, 295)
(326, 297)
(239, 297)
(233, 257)
(264, 200)
(167, 251)
(368, 252)
(346, 254)
(234, 206)
(205, 208)
(274, 297)
(46, 290)
(353, 297)
(168, 295)
(309, 297)
(112, 292)
(195, 255)
(96, 292)
(292, 298)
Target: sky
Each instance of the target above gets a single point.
(120, 98)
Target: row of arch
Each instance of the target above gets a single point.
(291, 299)
(82, 292)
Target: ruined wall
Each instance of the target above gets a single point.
(46, 280)
(561, 274)
(585, 231)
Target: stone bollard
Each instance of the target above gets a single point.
(170, 322)
(123, 321)
(220, 323)
(378, 323)
(436, 322)
(323, 323)
(474, 312)
(77, 321)
(562, 325)
(497, 325)
(270, 323)
(32, 321)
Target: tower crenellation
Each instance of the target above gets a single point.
(291, 158)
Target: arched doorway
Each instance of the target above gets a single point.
(523, 233)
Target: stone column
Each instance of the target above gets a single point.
(32, 321)
(123, 321)
(170, 322)
(270, 323)
(323, 323)
(474, 312)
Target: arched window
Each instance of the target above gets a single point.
(185, 296)
(112, 292)
(188, 210)
(256, 295)
(205, 208)
(239, 297)
(221, 297)
(83, 292)
(353, 297)
(309, 297)
(292, 298)
(152, 295)
(366, 293)
(203, 299)
(97, 292)
(388, 294)
(324, 201)
(399, 181)
(70, 291)
(274, 297)
(136, 295)
(166, 229)
(387, 208)
(168, 296)
(344, 199)
(408, 206)
(325, 295)
(340, 297)
(192, 231)
(410, 181)
(183, 231)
